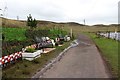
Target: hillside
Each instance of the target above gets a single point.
(21, 23)
(102, 25)
(12, 23)
(66, 25)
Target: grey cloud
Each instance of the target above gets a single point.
(101, 11)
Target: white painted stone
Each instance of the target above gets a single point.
(68, 38)
(53, 42)
(31, 56)
(47, 38)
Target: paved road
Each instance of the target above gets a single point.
(83, 61)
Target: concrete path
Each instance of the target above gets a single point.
(83, 61)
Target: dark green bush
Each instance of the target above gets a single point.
(52, 33)
(31, 22)
(9, 47)
(31, 34)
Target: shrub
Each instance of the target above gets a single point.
(52, 33)
(9, 47)
(29, 33)
(30, 22)
(30, 50)
(32, 34)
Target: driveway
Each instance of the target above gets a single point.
(83, 61)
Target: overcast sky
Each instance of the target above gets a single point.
(93, 11)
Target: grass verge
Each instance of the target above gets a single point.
(14, 34)
(109, 49)
(26, 69)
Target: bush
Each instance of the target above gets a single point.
(9, 47)
(30, 50)
(32, 34)
(30, 22)
(52, 33)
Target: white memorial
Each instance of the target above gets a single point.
(31, 56)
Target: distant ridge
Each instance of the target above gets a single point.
(43, 23)
(22, 23)
(102, 25)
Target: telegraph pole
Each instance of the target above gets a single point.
(84, 21)
(17, 17)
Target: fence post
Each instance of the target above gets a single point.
(108, 34)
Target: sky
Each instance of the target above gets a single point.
(93, 11)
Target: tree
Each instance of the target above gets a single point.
(30, 22)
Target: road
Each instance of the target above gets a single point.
(83, 61)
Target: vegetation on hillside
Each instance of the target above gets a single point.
(14, 34)
(17, 38)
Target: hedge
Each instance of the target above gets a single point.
(9, 47)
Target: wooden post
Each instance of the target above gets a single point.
(71, 32)
(115, 34)
(108, 34)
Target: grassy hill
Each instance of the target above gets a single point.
(41, 23)
(12, 23)
(66, 25)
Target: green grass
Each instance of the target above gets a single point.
(14, 33)
(109, 49)
(19, 33)
(25, 69)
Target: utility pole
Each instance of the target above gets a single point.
(84, 21)
(17, 17)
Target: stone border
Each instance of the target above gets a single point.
(52, 62)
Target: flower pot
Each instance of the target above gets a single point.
(31, 56)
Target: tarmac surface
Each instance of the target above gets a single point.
(82, 61)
